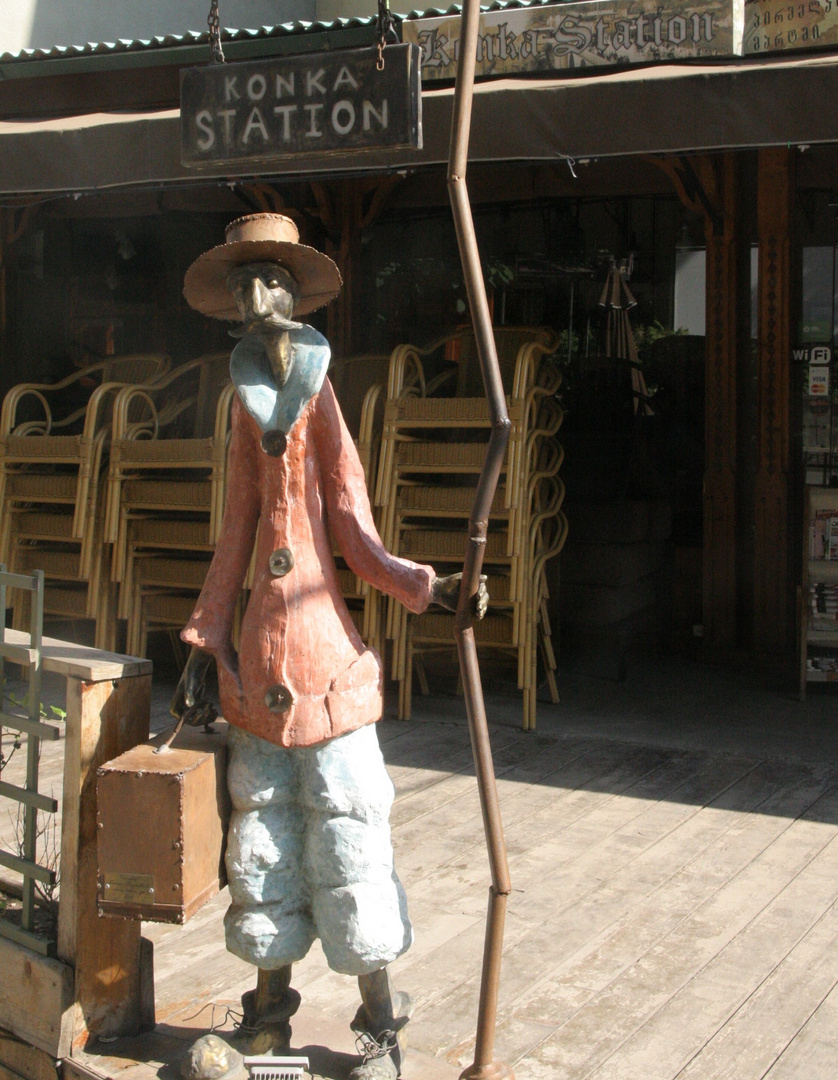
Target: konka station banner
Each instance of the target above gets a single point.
(555, 38)
(561, 37)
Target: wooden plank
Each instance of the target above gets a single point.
(605, 916)
(752, 1038)
(47, 732)
(7, 1074)
(49, 780)
(669, 1040)
(814, 1050)
(593, 889)
(524, 763)
(103, 720)
(686, 865)
(23, 1060)
(36, 999)
(26, 866)
(587, 785)
(197, 966)
(449, 968)
(74, 661)
(623, 1007)
(651, 895)
(73, 1069)
(426, 787)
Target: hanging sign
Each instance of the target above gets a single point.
(557, 37)
(320, 103)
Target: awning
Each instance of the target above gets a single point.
(654, 110)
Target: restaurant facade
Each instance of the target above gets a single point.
(694, 148)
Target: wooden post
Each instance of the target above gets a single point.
(708, 186)
(104, 718)
(346, 208)
(720, 444)
(100, 981)
(773, 611)
(12, 228)
(3, 286)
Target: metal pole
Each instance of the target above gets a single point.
(484, 1066)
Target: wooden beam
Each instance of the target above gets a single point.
(707, 185)
(73, 1069)
(7, 1074)
(18, 1059)
(74, 661)
(773, 607)
(36, 1001)
(346, 208)
(718, 178)
(103, 720)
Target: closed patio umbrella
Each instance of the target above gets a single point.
(617, 299)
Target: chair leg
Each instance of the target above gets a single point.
(421, 676)
(177, 649)
(406, 683)
(106, 618)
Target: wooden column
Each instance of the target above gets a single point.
(13, 224)
(105, 717)
(346, 208)
(720, 426)
(773, 623)
(708, 186)
(100, 981)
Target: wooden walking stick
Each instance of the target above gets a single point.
(484, 1066)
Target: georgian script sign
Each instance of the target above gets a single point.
(551, 38)
(773, 26)
(319, 103)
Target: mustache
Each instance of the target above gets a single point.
(257, 325)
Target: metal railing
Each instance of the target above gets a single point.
(35, 730)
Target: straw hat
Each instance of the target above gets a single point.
(260, 238)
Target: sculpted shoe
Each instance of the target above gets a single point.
(384, 1050)
(214, 1058)
(376, 1068)
(268, 1032)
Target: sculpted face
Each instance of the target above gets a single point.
(265, 295)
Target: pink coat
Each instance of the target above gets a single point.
(303, 672)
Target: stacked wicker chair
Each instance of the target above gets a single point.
(166, 498)
(166, 493)
(54, 441)
(365, 603)
(433, 447)
(359, 383)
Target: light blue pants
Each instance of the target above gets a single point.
(309, 854)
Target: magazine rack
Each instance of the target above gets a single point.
(818, 595)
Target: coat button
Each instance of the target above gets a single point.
(274, 443)
(278, 698)
(280, 562)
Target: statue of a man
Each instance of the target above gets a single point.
(309, 853)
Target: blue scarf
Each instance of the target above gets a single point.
(277, 408)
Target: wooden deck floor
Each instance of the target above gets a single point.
(673, 915)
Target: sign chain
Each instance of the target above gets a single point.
(386, 29)
(215, 33)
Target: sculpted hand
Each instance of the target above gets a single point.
(190, 702)
(445, 591)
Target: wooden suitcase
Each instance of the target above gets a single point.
(162, 827)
